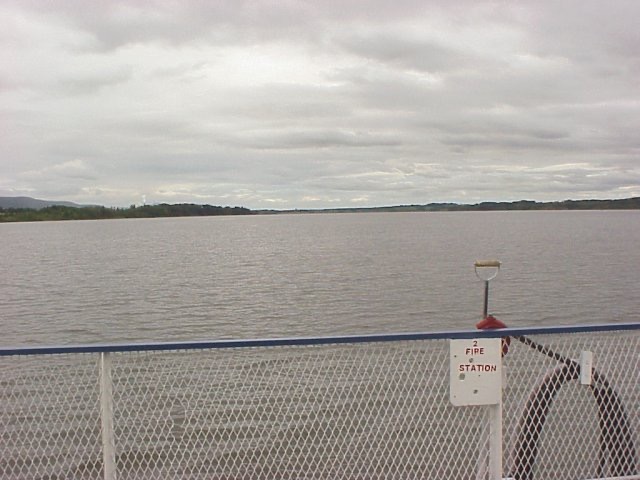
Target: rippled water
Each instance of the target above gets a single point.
(291, 275)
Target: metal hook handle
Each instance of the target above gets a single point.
(487, 264)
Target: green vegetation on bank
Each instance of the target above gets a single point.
(58, 212)
(621, 204)
(61, 212)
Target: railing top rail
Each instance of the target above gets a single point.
(307, 341)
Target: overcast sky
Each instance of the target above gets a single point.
(323, 103)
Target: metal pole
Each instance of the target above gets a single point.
(106, 416)
(486, 299)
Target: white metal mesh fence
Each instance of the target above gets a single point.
(354, 411)
(556, 427)
(350, 411)
(49, 417)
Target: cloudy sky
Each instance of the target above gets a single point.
(320, 103)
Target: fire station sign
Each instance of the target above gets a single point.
(476, 371)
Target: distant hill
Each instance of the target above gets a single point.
(33, 203)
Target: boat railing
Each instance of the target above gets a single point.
(521, 403)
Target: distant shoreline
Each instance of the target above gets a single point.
(520, 205)
(63, 211)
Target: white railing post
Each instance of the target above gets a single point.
(106, 416)
(495, 440)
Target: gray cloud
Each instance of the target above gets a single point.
(90, 83)
(413, 54)
(310, 104)
(315, 139)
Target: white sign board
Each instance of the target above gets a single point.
(476, 371)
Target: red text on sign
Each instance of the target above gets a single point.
(474, 351)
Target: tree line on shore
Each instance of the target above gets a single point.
(520, 205)
(62, 212)
(59, 212)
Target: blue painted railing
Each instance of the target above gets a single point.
(308, 341)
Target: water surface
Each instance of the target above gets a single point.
(289, 275)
